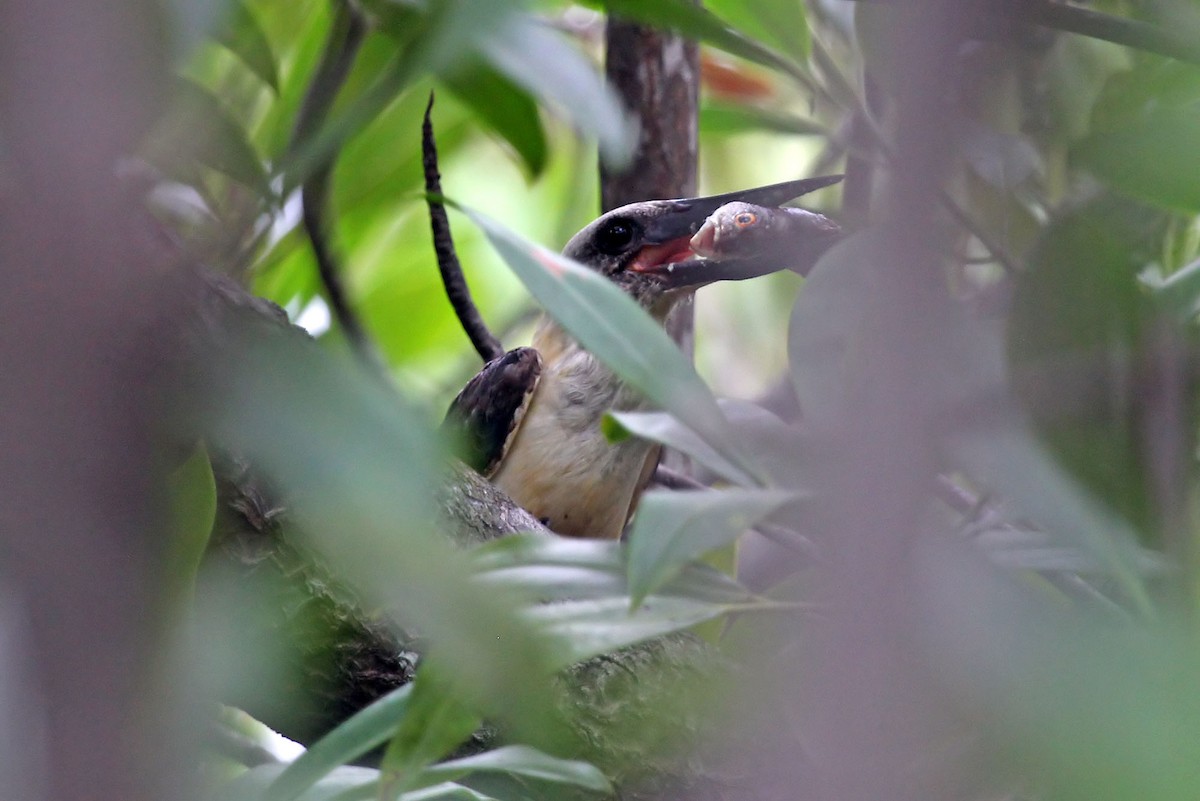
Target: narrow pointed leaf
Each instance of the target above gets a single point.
(1007, 456)
(193, 496)
(697, 23)
(722, 118)
(663, 428)
(673, 528)
(521, 761)
(506, 109)
(539, 58)
(618, 332)
(557, 568)
(243, 36)
(435, 720)
(200, 130)
(588, 628)
(355, 736)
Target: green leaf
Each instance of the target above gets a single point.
(193, 497)
(431, 38)
(435, 720)
(524, 762)
(446, 791)
(1097, 710)
(664, 428)
(1152, 157)
(199, 129)
(617, 331)
(539, 58)
(777, 448)
(1003, 453)
(353, 737)
(1078, 355)
(1178, 294)
(505, 108)
(243, 36)
(838, 311)
(360, 466)
(673, 528)
(1004, 160)
(556, 568)
(782, 23)
(345, 783)
(587, 628)
(727, 119)
(586, 580)
(697, 23)
(338, 784)
(1076, 71)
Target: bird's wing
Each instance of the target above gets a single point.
(487, 413)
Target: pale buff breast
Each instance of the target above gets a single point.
(559, 466)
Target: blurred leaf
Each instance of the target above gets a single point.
(366, 729)
(1075, 72)
(539, 58)
(509, 111)
(697, 23)
(521, 761)
(662, 427)
(1003, 160)
(614, 328)
(1003, 453)
(838, 309)
(782, 23)
(1179, 294)
(431, 39)
(1152, 157)
(1093, 710)
(193, 496)
(446, 791)
(359, 467)
(590, 612)
(673, 528)
(199, 129)
(776, 448)
(434, 722)
(242, 36)
(346, 783)
(591, 627)
(737, 119)
(1017, 548)
(557, 568)
(1076, 355)
(257, 784)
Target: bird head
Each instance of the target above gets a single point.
(645, 248)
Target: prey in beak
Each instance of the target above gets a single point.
(532, 418)
(654, 247)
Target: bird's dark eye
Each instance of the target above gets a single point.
(615, 236)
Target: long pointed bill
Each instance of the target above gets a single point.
(736, 236)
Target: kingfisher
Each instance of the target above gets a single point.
(530, 419)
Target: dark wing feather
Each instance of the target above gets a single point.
(487, 413)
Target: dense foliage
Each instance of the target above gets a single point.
(979, 575)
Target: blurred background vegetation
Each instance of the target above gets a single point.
(965, 443)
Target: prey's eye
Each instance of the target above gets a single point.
(615, 236)
(745, 218)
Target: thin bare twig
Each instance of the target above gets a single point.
(485, 342)
(345, 36)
